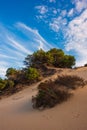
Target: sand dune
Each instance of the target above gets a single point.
(16, 112)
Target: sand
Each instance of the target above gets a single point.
(16, 112)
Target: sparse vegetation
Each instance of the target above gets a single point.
(51, 92)
(70, 81)
(36, 67)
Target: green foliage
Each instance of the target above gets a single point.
(67, 61)
(28, 60)
(39, 58)
(10, 83)
(3, 84)
(53, 57)
(32, 74)
(50, 59)
(11, 72)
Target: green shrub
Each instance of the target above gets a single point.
(11, 73)
(3, 84)
(32, 74)
(49, 94)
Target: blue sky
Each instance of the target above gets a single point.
(28, 25)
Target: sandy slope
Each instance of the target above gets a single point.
(16, 112)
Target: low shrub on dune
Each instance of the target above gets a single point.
(51, 92)
(70, 81)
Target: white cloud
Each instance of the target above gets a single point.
(6, 56)
(57, 23)
(37, 39)
(80, 5)
(63, 13)
(77, 38)
(41, 17)
(2, 71)
(17, 45)
(55, 11)
(42, 9)
(54, 26)
(71, 12)
(3, 68)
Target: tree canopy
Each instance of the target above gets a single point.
(54, 57)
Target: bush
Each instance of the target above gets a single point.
(32, 74)
(67, 61)
(10, 84)
(3, 84)
(70, 81)
(11, 73)
(6, 86)
(49, 94)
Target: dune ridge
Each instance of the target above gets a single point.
(16, 112)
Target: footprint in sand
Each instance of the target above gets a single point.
(77, 115)
(17, 98)
(47, 117)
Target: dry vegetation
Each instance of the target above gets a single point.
(51, 92)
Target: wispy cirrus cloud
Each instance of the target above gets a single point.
(37, 40)
(17, 45)
(14, 48)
